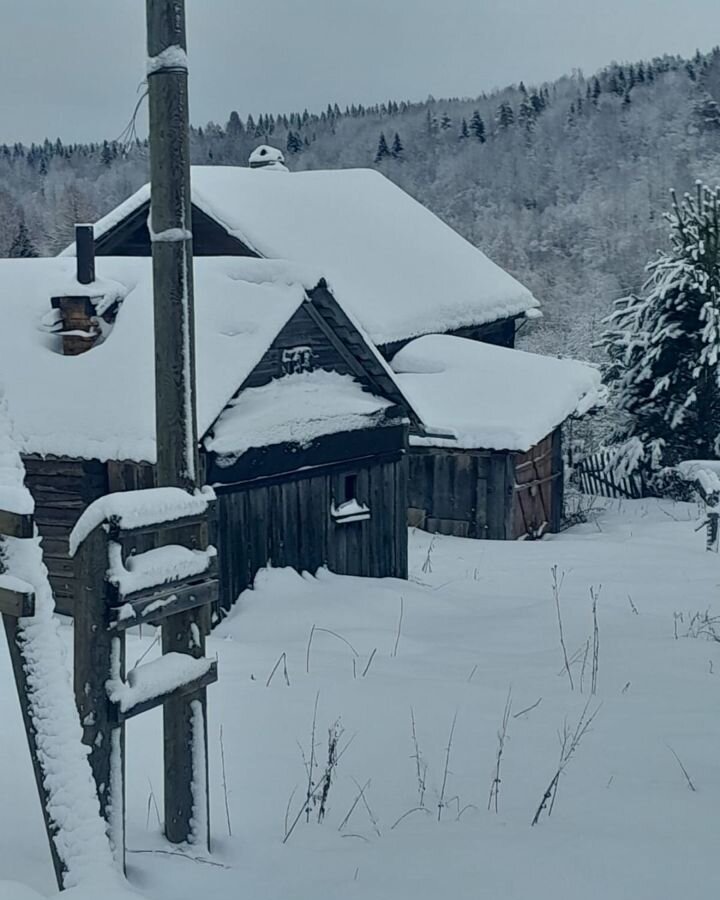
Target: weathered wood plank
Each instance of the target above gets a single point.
(94, 648)
(16, 604)
(157, 606)
(16, 525)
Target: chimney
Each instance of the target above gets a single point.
(78, 318)
(85, 253)
(266, 157)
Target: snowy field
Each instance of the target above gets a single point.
(478, 620)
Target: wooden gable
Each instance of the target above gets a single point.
(320, 335)
(131, 237)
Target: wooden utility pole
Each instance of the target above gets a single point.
(177, 455)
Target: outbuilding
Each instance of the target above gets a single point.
(303, 428)
(490, 464)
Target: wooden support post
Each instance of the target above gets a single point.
(177, 456)
(171, 224)
(100, 655)
(12, 631)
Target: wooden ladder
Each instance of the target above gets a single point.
(106, 697)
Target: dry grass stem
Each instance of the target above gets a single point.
(684, 770)
(569, 742)
(281, 659)
(502, 736)
(399, 627)
(448, 750)
(528, 709)
(557, 582)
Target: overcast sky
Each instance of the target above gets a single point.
(71, 67)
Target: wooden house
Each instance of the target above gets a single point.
(303, 426)
(396, 267)
(490, 464)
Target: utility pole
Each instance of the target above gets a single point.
(184, 718)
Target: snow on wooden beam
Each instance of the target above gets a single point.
(156, 606)
(170, 677)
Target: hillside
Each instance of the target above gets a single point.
(564, 184)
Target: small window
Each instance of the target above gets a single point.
(349, 488)
(346, 507)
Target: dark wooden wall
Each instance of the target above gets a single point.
(501, 333)
(466, 493)
(486, 494)
(62, 489)
(132, 238)
(287, 522)
(300, 330)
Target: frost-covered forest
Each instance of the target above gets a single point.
(563, 184)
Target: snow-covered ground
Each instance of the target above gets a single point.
(478, 620)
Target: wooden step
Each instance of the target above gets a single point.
(123, 712)
(155, 605)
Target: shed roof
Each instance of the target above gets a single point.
(472, 395)
(101, 405)
(393, 263)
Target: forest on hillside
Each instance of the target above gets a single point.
(564, 184)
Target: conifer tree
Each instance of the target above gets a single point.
(294, 143)
(445, 121)
(505, 117)
(22, 246)
(464, 132)
(526, 115)
(477, 126)
(383, 151)
(397, 150)
(664, 346)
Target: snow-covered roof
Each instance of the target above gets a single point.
(295, 409)
(101, 404)
(400, 269)
(481, 396)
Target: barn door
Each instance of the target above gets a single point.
(535, 491)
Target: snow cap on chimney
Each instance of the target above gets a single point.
(265, 157)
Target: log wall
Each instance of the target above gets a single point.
(287, 522)
(62, 489)
(486, 494)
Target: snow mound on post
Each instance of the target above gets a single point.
(138, 509)
(479, 396)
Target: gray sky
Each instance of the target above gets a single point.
(71, 67)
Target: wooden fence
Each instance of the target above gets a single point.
(595, 475)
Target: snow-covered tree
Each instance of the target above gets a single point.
(477, 126)
(22, 246)
(383, 151)
(664, 346)
(397, 150)
(504, 116)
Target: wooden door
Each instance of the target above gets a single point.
(536, 491)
